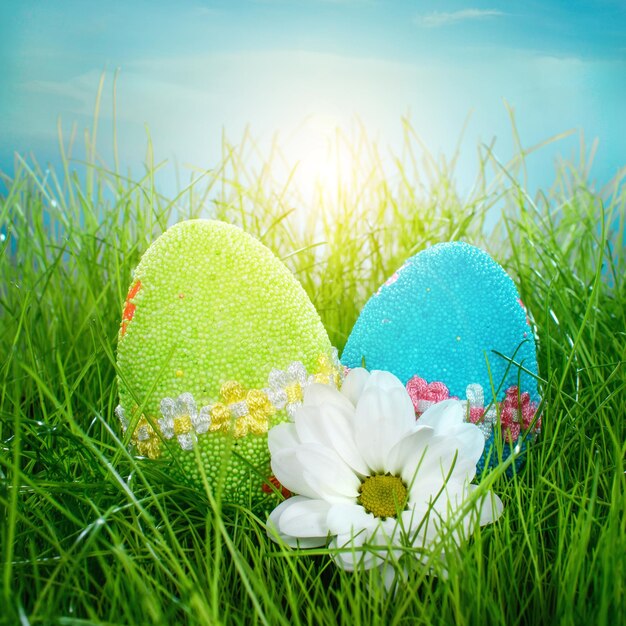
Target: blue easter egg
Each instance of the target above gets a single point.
(450, 322)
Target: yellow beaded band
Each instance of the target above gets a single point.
(237, 411)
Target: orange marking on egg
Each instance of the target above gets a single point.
(129, 306)
(266, 487)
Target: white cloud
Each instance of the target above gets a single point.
(437, 19)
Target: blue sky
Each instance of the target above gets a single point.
(191, 69)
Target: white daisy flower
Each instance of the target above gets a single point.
(366, 473)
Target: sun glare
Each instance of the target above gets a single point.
(319, 155)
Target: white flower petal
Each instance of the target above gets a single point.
(438, 466)
(324, 490)
(346, 518)
(278, 511)
(384, 380)
(464, 469)
(427, 475)
(304, 542)
(458, 456)
(289, 471)
(440, 479)
(320, 395)
(332, 428)
(443, 416)
(471, 441)
(274, 533)
(383, 417)
(406, 454)
(304, 518)
(450, 499)
(390, 575)
(355, 553)
(490, 506)
(354, 384)
(314, 471)
(388, 533)
(420, 526)
(352, 554)
(180, 407)
(327, 473)
(448, 420)
(281, 437)
(411, 518)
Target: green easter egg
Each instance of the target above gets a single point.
(217, 342)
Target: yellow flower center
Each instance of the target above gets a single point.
(293, 393)
(383, 496)
(182, 425)
(146, 440)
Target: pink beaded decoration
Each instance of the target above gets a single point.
(517, 411)
(424, 395)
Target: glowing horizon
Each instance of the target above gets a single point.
(192, 72)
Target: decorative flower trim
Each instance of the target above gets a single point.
(240, 411)
(424, 395)
(329, 369)
(475, 411)
(144, 437)
(516, 411)
(286, 387)
(237, 411)
(181, 419)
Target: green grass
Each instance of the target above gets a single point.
(86, 540)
